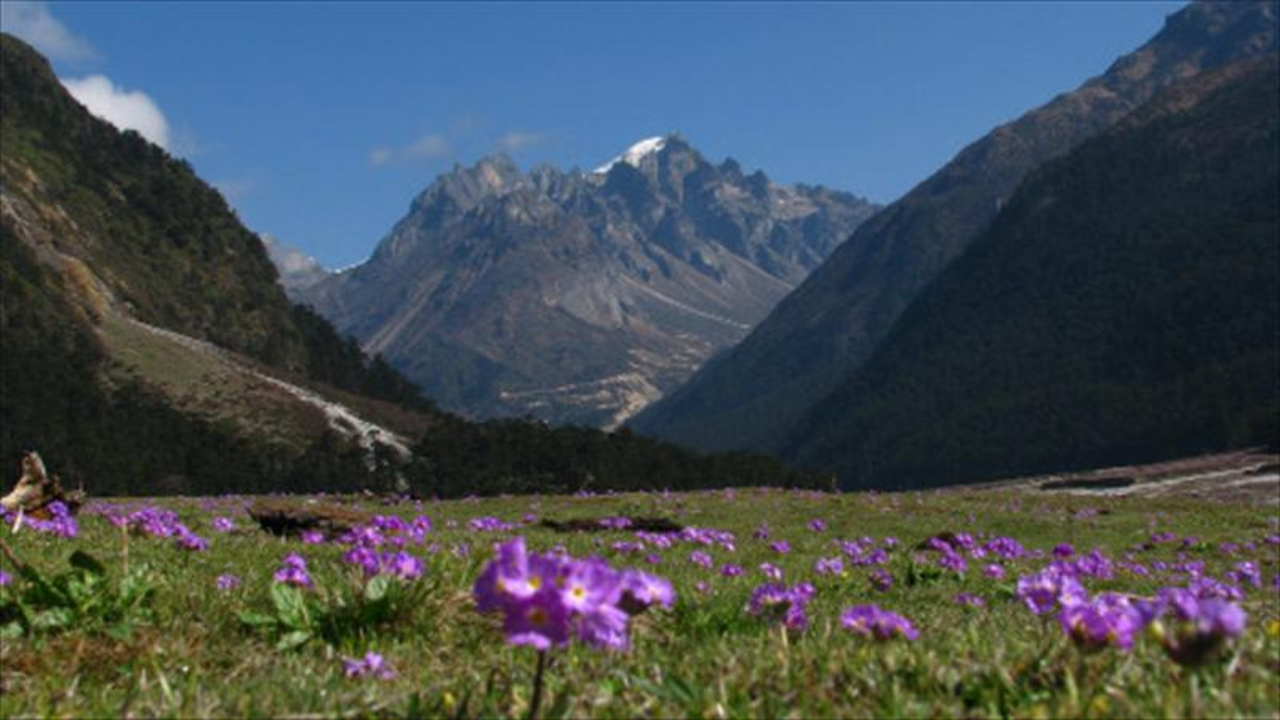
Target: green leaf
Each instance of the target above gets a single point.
(293, 640)
(11, 630)
(291, 605)
(86, 562)
(376, 589)
(53, 619)
(256, 619)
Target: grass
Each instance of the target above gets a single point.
(209, 386)
(705, 657)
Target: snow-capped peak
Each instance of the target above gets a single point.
(635, 153)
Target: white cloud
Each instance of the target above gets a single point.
(33, 22)
(126, 109)
(517, 140)
(427, 147)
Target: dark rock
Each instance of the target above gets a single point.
(289, 517)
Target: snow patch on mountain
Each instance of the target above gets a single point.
(635, 154)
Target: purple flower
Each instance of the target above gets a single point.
(771, 571)
(293, 571)
(1207, 587)
(371, 665)
(730, 570)
(701, 559)
(1063, 550)
(60, 522)
(227, 582)
(188, 540)
(402, 565)
(778, 602)
(508, 578)
(548, 599)
(993, 571)
(224, 524)
(969, 599)
(1006, 548)
(881, 580)
(5, 578)
(953, 562)
(364, 557)
(489, 524)
(782, 547)
(312, 537)
(1107, 619)
(829, 566)
(615, 523)
(641, 590)
(762, 532)
(871, 621)
(539, 621)
(1201, 626)
(817, 525)
(1247, 572)
(1045, 590)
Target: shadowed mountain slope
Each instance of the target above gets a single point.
(754, 395)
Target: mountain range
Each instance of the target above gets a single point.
(755, 395)
(581, 297)
(1121, 308)
(147, 346)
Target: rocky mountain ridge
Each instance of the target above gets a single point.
(581, 297)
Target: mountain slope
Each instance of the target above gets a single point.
(144, 335)
(1123, 307)
(159, 243)
(755, 394)
(580, 297)
(146, 348)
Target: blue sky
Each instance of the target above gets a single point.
(321, 122)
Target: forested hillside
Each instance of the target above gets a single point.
(1123, 307)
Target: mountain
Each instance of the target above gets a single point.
(142, 329)
(1123, 307)
(297, 269)
(146, 346)
(581, 297)
(753, 396)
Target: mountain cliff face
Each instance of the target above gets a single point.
(1123, 307)
(754, 395)
(581, 297)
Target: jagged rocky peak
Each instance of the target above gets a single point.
(582, 296)
(462, 188)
